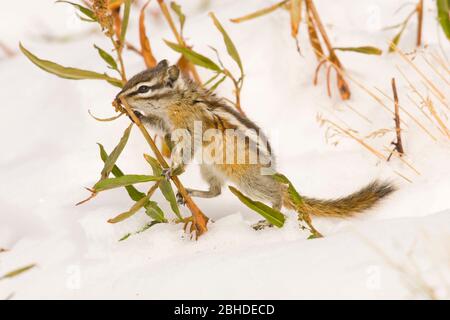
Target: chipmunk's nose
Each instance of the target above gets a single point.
(118, 96)
(116, 102)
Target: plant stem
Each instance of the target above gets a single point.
(419, 10)
(398, 144)
(118, 49)
(199, 219)
(342, 84)
(315, 15)
(303, 215)
(237, 90)
(179, 38)
(357, 139)
(313, 38)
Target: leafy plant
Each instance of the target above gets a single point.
(315, 27)
(113, 18)
(271, 215)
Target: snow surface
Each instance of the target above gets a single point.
(398, 250)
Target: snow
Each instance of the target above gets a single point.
(49, 155)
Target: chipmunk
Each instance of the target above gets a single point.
(165, 100)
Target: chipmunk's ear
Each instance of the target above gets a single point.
(162, 64)
(173, 73)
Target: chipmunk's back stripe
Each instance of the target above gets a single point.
(245, 126)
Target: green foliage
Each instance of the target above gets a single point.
(134, 209)
(181, 17)
(396, 39)
(85, 11)
(141, 200)
(443, 9)
(164, 185)
(294, 195)
(146, 227)
(68, 72)
(16, 272)
(275, 217)
(106, 57)
(125, 180)
(214, 86)
(363, 49)
(125, 19)
(134, 194)
(194, 57)
(205, 62)
(231, 48)
(114, 155)
(394, 42)
(154, 211)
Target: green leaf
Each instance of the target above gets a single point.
(214, 87)
(125, 19)
(16, 272)
(106, 57)
(87, 12)
(194, 57)
(167, 191)
(146, 227)
(177, 9)
(156, 167)
(260, 12)
(364, 49)
(114, 155)
(154, 211)
(275, 217)
(134, 194)
(85, 19)
(396, 39)
(165, 186)
(443, 7)
(127, 214)
(125, 180)
(125, 237)
(231, 48)
(211, 79)
(116, 83)
(295, 196)
(67, 72)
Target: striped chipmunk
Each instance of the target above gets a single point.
(178, 108)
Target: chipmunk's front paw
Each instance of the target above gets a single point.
(167, 173)
(172, 171)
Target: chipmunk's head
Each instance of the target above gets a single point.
(151, 90)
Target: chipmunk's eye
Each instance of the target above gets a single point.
(143, 89)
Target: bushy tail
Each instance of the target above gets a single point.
(347, 206)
